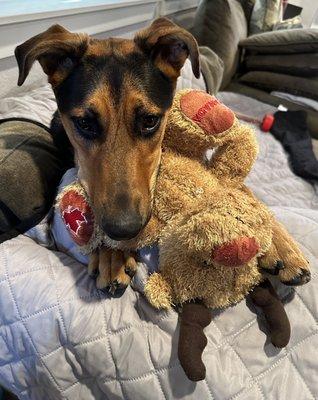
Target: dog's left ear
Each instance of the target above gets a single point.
(169, 46)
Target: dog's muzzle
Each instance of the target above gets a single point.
(123, 228)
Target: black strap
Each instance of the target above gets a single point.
(25, 120)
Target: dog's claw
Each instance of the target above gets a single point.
(105, 290)
(113, 287)
(130, 272)
(301, 279)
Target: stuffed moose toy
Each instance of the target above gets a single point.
(216, 240)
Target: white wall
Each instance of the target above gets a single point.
(119, 20)
(310, 7)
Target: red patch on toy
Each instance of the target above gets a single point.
(211, 115)
(77, 216)
(237, 252)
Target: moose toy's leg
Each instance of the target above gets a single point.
(194, 318)
(265, 297)
(285, 259)
(296, 268)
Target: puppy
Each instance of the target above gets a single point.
(113, 97)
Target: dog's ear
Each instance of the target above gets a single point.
(56, 49)
(169, 46)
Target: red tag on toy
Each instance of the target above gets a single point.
(206, 111)
(77, 216)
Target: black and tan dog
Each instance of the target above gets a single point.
(113, 96)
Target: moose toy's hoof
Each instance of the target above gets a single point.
(301, 279)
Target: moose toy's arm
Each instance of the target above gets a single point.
(235, 155)
(198, 122)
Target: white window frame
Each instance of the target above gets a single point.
(116, 19)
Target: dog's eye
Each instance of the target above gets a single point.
(88, 128)
(149, 124)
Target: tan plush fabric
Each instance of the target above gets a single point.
(211, 230)
(222, 211)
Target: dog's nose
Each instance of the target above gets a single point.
(123, 228)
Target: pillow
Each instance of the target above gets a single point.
(292, 64)
(220, 25)
(30, 171)
(283, 42)
(270, 81)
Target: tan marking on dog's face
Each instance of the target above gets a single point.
(110, 46)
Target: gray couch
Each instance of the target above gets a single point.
(256, 65)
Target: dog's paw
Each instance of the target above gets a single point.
(113, 269)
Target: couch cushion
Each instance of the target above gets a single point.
(29, 174)
(293, 64)
(283, 42)
(220, 25)
(270, 81)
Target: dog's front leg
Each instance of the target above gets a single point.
(114, 269)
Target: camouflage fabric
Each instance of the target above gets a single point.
(292, 23)
(272, 15)
(266, 14)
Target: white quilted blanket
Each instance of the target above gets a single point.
(62, 339)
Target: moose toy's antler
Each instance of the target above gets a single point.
(194, 318)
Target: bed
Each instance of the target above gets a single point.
(60, 338)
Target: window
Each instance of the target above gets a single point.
(10, 8)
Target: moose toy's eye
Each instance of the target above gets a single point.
(87, 127)
(149, 124)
